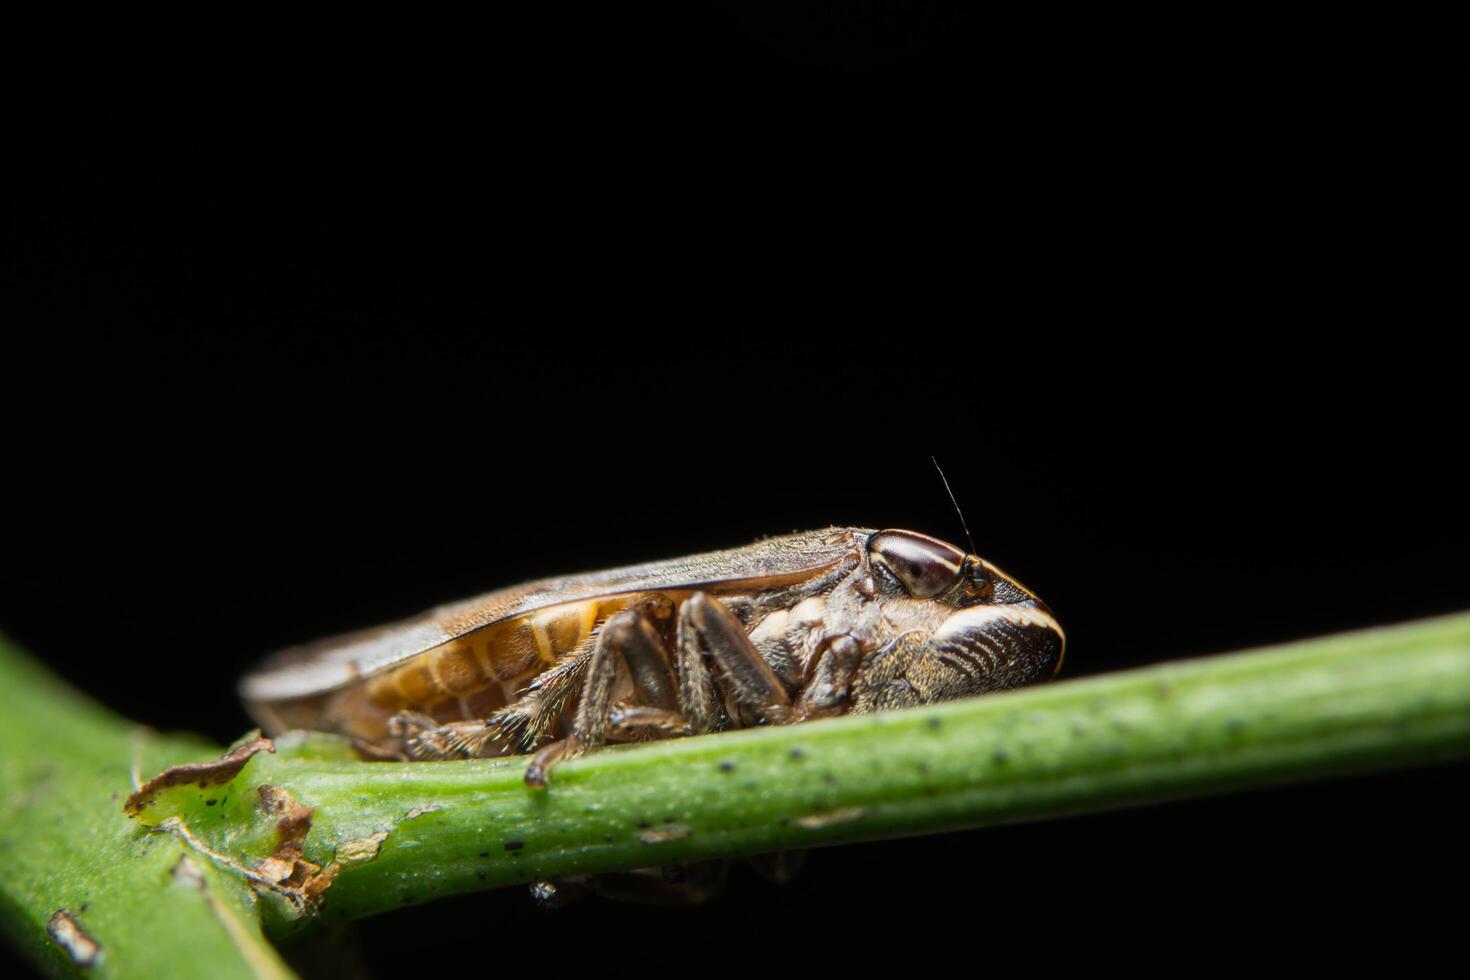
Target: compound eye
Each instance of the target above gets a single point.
(926, 566)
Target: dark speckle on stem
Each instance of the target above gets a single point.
(935, 724)
(797, 755)
(727, 766)
(514, 845)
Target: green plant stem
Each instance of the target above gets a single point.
(407, 833)
(1366, 700)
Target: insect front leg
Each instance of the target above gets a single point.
(825, 691)
(631, 639)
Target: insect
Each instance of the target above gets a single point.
(792, 628)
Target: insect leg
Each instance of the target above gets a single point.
(527, 721)
(826, 690)
(423, 738)
(631, 638)
(370, 751)
(707, 627)
(548, 756)
(629, 721)
(517, 726)
(643, 651)
(699, 699)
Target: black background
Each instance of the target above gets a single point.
(635, 289)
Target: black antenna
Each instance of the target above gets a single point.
(956, 504)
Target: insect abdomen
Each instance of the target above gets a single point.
(482, 670)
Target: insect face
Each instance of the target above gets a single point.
(953, 625)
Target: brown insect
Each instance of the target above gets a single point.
(821, 623)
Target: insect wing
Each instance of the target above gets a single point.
(327, 664)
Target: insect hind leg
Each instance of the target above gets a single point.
(424, 739)
(518, 727)
(631, 639)
(531, 718)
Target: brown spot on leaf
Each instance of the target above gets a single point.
(214, 773)
(67, 932)
(827, 818)
(316, 886)
(294, 820)
(287, 868)
(362, 849)
(277, 870)
(662, 835)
